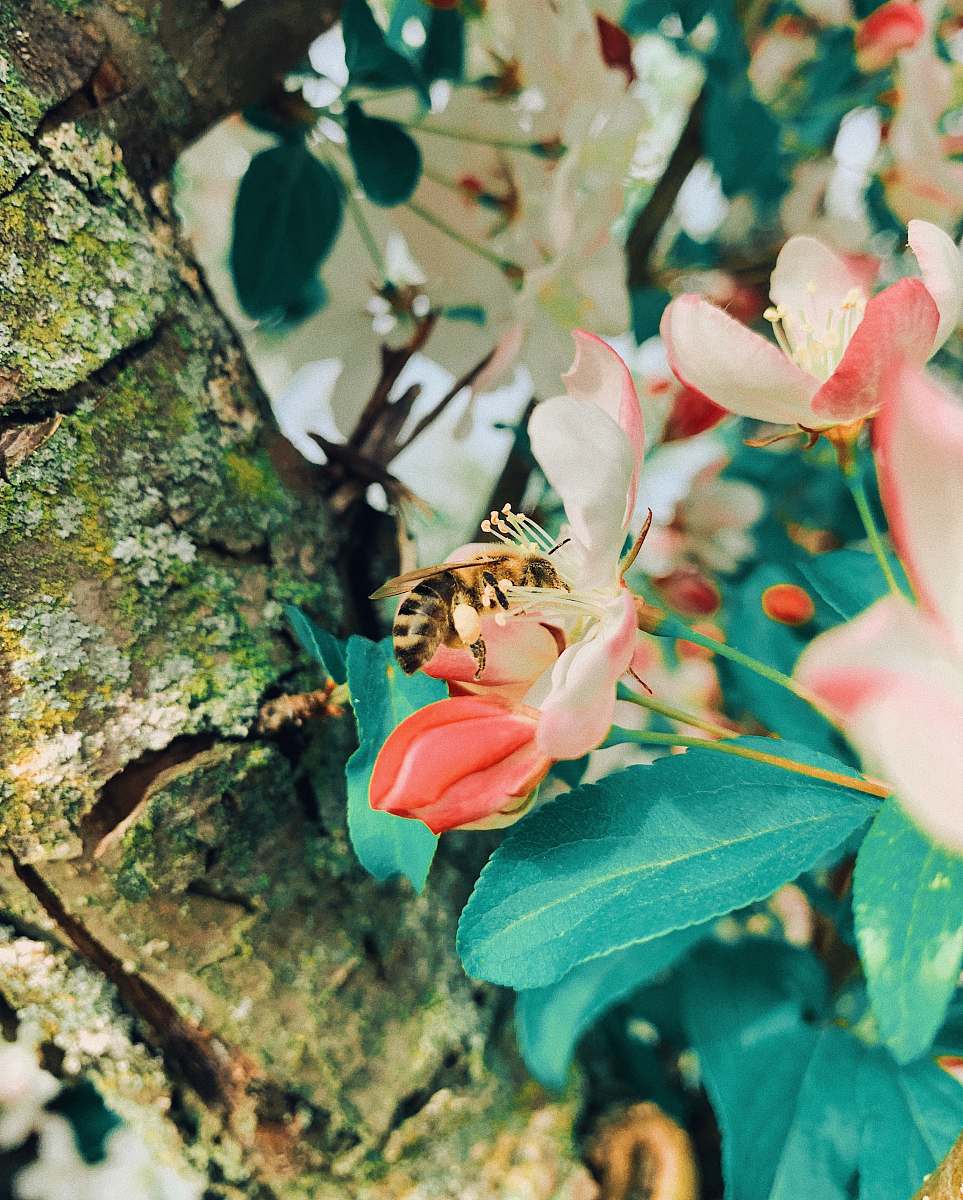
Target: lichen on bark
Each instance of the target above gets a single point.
(185, 881)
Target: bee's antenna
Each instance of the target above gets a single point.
(559, 545)
(633, 554)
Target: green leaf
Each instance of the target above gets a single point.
(443, 54)
(317, 643)
(908, 904)
(382, 696)
(589, 873)
(748, 628)
(386, 159)
(647, 306)
(551, 1020)
(741, 138)
(911, 1116)
(474, 314)
(286, 220)
(846, 581)
(781, 1087)
(91, 1121)
(371, 61)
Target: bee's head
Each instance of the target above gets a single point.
(540, 573)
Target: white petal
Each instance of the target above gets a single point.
(736, 368)
(941, 266)
(810, 282)
(588, 460)
(919, 438)
(896, 685)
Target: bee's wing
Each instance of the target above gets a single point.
(403, 583)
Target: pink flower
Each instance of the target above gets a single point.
(887, 30)
(554, 659)
(836, 344)
(461, 763)
(893, 677)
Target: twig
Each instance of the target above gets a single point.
(650, 221)
(455, 390)
(393, 362)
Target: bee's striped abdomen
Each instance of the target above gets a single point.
(423, 621)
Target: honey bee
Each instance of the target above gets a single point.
(444, 604)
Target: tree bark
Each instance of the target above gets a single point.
(179, 905)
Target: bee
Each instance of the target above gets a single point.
(444, 604)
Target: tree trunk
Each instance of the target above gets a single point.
(181, 909)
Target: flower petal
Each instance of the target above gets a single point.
(599, 376)
(458, 761)
(890, 677)
(941, 266)
(919, 440)
(734, 367)
(899, 324)
(811, 282)
(516, 654)
(589, 462)
(577, 713)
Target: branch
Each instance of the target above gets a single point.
(946, 1182)
(650, 221)
(163, 80)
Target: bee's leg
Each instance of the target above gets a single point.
(477, 649)
(467, 623)
(494, 588)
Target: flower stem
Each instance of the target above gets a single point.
(672, 627)
(364, 229)
(676, 714)
(509, 269)
(479, 139)
(644, 737)
(857, 489)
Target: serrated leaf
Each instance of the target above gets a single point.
(647, 304)
(286, 220)
(774, 1078)
(908, 905)
(382, 696)
(317, 643)
(911, 1116)
(845, 581)
(590, 872)
(386, 159)
(551, 1020)
(370, 60)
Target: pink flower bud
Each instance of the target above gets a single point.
(460, 762)
(886, 31)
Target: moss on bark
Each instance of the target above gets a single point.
(306, 1032)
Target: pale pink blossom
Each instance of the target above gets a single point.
(836, 343)
(532, 704)
(893, 677)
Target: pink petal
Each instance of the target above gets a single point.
(919, 441)
(900, 323)
(516, 654)
(810, 282)
(734, 367)
(941, 266)
(599, 376)
(458, 761)
(887, 30)
(590, 463)
(892, 680)
(577, 714)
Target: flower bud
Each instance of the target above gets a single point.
(886, 31)
(470, 761)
